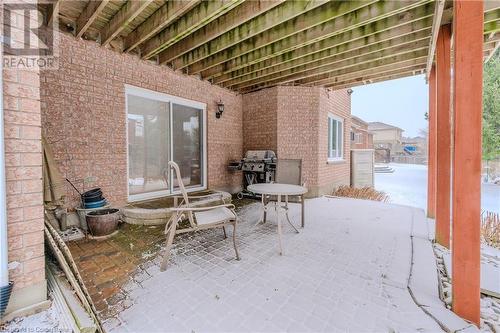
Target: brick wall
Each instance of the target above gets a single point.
(333, 174)
(299, 117)
(84, 116)
(360, 129)
(260, 118)
(23, 167)
(298, 124)
(23, 164)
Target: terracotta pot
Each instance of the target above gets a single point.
(103, 222)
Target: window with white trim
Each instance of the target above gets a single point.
(335, 138)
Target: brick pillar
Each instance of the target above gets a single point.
(443, 160)
(23, 167)
(431, 165)
(468, 82)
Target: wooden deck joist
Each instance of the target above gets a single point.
(337, 63)
(241, 14)
(347, 50)
(246, 45)
(348, 41)
(119, 22)
(319, 76)
(162, 18)
(368, 79)
(272, 42)
(89, 15)
(278, 23)
(377, 68)
(204, 13)
(436, 23)
(323, 37)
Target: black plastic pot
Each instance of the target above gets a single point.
(93, 199)
(92, 195)
(92, 192)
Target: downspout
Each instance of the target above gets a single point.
(5, 284)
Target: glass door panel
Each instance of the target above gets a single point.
(148, 145)
(187, 134)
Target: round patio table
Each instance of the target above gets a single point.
(279, 190)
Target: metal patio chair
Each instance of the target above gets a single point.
(288, 171)
(200, 218)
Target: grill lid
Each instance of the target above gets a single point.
(260, 155)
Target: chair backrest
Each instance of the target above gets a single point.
(289, 171)
(177, 171)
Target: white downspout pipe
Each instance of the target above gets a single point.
(4, 247)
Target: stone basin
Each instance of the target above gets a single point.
(157, 211)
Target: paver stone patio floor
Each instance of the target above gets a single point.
(348, 270)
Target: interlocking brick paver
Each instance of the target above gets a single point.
(346, 271)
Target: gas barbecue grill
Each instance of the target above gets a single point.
(258, 166)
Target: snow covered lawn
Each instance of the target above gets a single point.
(408, 186)
(350, 269)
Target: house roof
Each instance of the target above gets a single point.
(254, 44)
(359, 120)
(378, 126)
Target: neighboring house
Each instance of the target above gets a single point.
(387, 140)
(361, 138)
(386, 136)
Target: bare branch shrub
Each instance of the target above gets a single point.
(490, 228)
(367, 193)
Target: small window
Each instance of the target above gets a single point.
(359, 138)
(335, 137)
(352, 136)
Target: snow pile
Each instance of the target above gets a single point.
(45, 321)
(490, 306)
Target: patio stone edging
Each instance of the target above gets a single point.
(424, 276)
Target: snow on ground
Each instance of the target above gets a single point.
(347, 270)
(45, 321)
(490, 306)
(408, 186)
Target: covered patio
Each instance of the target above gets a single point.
(283, 70)
(356, 266)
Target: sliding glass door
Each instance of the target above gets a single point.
(187, 148)
(163, 128)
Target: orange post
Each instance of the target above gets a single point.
(431, 150)
(443, 146)
(468, 83)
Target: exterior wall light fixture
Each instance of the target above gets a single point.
(220, 109)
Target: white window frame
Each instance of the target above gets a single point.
(158, 96)
(340, 124)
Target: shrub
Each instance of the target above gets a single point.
(490, 228)
(367, 193)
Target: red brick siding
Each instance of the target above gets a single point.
(260, 119)
(84, 115)
(297, 128)
(361, 128)
(334, 174)
(23, 153)
(299, 120)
